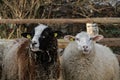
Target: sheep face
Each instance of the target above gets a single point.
(41, 36)
(85, 42)
(37, 37)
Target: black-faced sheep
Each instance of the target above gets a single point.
(83, 59)
(34, 59)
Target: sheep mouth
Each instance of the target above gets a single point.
(35, 49)
(85, 51)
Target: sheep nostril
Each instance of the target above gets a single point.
(33, 44)
(85, 47)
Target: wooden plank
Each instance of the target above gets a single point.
(111, 42)
(62, 43)
(80, 20)
(106, 41)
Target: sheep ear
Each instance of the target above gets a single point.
(97, 37)
(69, 38)
(26, 35)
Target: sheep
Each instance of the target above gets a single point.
(118, 57)
(4, 44)
(35, 58)
(1, 53)
(84, 59)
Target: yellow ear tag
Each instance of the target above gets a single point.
(55, 34)
(71, 39)
(28, 36)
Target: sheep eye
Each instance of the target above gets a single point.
(91, 38)
(77, 39)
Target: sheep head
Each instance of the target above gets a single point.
(85, 41)
(41, 37)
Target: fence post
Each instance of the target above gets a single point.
(92, 29)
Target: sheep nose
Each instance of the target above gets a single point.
(33, 43)
(85, 47)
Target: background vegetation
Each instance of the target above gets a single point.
(28, 9)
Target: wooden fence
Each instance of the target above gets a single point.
(62, 43)
(106, 41)
(54, 21)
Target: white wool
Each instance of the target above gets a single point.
(10, 59)
(100, 64)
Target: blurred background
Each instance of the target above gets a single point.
(45, 9)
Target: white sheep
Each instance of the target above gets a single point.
(84, 59)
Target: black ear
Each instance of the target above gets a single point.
(26, 35)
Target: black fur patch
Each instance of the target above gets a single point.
(46, 39)
(48, 43)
